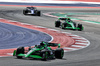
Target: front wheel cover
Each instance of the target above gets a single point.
(45, 56)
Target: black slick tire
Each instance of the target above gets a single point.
(24, 12)
(59, 53)
(38, 13)
(80, 27)
(19, 51)
(57, 23)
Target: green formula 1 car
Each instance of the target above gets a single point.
(67, 23)
(42, 51)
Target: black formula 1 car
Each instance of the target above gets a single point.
(67, 23)
(42, 51)
(31, 11)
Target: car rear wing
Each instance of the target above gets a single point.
(54, 45)
(62, 18)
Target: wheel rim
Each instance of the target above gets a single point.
(45, 55)
(62, 53)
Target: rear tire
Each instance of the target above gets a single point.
(19, 51)
(59, 53)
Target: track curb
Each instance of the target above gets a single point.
(69, 41)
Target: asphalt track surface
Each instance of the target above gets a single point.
(14, 36)
(89, 56)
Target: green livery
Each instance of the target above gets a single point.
(42, 51)
(67, 23)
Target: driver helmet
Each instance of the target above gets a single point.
(42, 43)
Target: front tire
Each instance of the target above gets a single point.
(80, 27)
(20, 50)
(24, 12)
(38, 13)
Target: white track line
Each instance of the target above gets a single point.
(54, 30)
(77, 46)
(81, 40)
(70, 48)
(9, 53)
(81, 43)
(77, 38)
